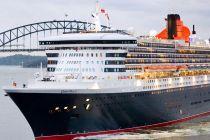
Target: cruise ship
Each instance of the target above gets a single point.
(109, 82)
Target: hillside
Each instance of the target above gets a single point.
(26, 61)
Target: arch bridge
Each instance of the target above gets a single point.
(25, 38)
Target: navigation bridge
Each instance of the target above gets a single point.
(25, 38)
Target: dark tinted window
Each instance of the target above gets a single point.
(114, 70)
(88, 42)
(52, 54)
(116, 54)
(114, 62)
(52, 62)
(50, 69)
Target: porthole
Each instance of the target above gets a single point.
(66, 109)
(57, 109)
(88, 107)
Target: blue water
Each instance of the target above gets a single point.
(13, 125)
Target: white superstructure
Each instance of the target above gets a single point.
(80, 56)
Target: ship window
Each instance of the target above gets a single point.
(51, 111)
(57, 109)
(88, 107)
(66, 108)
(116, 54)
(194, 103)
(50, 69)
(88, 42)
(207, 100)
(114, 62)
(114, 70)
(52, 54)
(52, 62)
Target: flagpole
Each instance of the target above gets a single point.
(97, 8)
(97, 18)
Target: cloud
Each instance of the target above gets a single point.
(142, 15)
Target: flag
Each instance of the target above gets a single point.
(103, 11)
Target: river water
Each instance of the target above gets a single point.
(13, 125)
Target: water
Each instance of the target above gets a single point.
(13, 125)
(196, 131)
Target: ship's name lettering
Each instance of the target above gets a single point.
(68, 91)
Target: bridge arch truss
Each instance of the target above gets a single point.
(10, 36)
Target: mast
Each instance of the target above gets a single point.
(97, 18)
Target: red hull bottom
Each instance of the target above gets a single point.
(79, 135)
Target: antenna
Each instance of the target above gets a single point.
(66, 16)
(97, 6)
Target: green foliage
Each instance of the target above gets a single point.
(27, 61)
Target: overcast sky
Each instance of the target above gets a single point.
(142, 15)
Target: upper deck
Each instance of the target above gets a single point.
(153, 42)
(87, 39)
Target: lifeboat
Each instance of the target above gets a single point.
(182, 67)
(165, 68)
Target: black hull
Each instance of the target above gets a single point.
(109, 111)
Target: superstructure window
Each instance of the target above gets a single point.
(88, 42)
(53, 62)
(159, 45)
(88, 48)
(51, 69)
(114, 70)
(114, 62)
(52, 54)
(116, 54)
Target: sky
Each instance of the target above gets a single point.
(142, 15)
